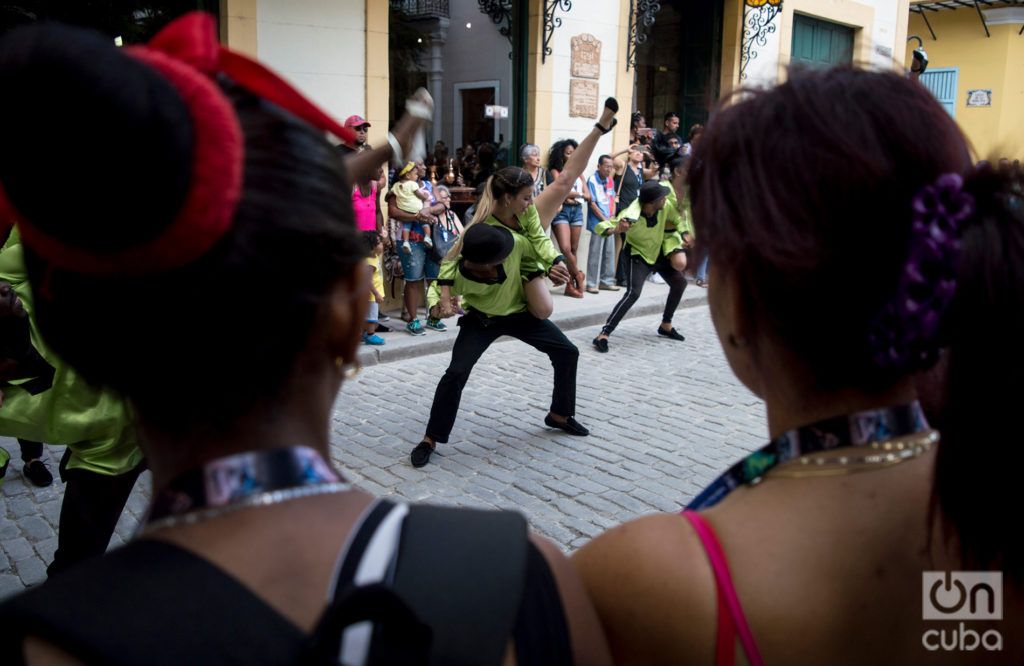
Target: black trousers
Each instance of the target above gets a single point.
(30, 450)
(622, 265)
(89, 512)
(476, 333)
(638, 272)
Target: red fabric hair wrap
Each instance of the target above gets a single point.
(188, 55)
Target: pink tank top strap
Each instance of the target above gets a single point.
(726, 596)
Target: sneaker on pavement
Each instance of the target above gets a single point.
(656, 279)
(671, 334)
(383, 316)
(414, 327)
(601, 345)
(592, 290)
(610, 287)
(373, 339)
(436, 324)
(381, 328)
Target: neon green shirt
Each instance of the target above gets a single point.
(95, 423)
(650, 241)
(533, 251)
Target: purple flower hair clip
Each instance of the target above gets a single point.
(905, 334)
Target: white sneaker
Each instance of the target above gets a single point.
(406, 248)
(428, 241)
(655, 278)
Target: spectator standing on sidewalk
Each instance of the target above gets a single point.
(361, 128)
(667, 141)
(375, 248)
(639, 132)
(417, 265)
(601, 254)
(366, 203)
(568, 223)
(692, 138)
(529, 154)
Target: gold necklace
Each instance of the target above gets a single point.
(855, 459)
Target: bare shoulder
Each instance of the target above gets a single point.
(652, 586)
(588, 641)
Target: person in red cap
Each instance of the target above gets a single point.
(361, 127)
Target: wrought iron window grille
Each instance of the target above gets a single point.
(641, 20)
(551, 22)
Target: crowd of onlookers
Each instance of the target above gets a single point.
(193, 271)
(410, 220)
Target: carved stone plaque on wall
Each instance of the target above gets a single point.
(582, 98)
(586, 56)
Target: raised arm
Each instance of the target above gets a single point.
(362, 166)
(551, 199)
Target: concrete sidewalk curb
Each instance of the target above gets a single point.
(567, 318)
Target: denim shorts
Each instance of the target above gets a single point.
(570, 214)
(417, 265)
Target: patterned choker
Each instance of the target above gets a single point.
(874, 438)
(254, 478)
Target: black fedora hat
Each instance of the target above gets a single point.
(651, 191)
(486, 244)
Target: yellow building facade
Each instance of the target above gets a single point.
(976, 69)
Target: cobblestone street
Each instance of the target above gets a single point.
(664, 416)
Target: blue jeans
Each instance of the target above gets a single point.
(571, 214)
(702, 269)
(418, 264)
(601, 260)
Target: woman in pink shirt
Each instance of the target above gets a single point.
(364, 204)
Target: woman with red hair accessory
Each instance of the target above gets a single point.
(204, 199)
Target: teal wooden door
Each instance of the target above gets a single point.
(819, 43)
(942, 83)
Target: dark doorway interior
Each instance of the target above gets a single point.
(475, 127)
(679, 67)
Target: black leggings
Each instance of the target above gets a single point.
(639, 270)
(476, 333)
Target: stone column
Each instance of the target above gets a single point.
(435, 75)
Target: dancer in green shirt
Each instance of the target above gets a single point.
(657, 230)
(495, 268)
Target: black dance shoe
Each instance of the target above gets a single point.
(571, 426)
(421, 454)
(671, 334)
